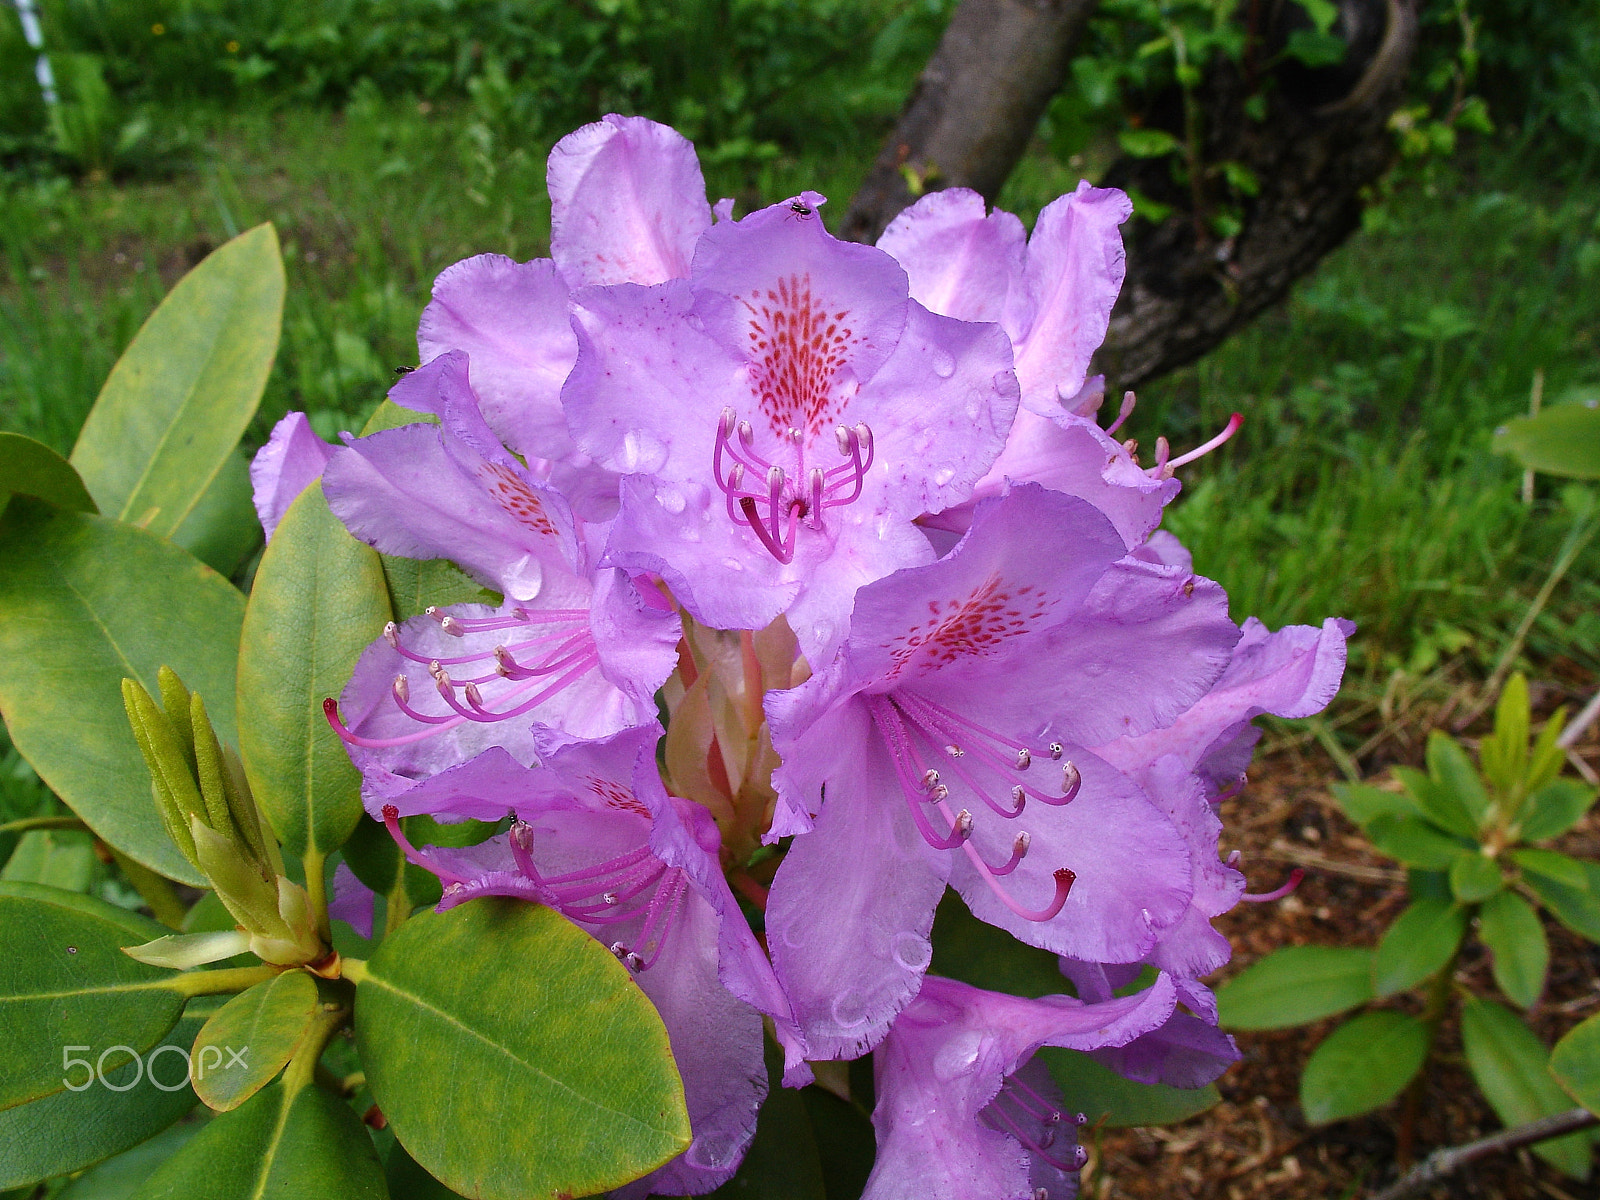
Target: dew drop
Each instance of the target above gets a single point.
(942, 363)
(849, 1010)
(912, 951)
(959, 1056)
(712, 1151)
(642, 452)
(943, 476)
(732, 564)
(1094, 668)
(672, 499)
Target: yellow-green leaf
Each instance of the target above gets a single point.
(176, 403)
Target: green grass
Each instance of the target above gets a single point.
(1361, 485)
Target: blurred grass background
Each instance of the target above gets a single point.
(389, 138)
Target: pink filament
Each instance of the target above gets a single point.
(1228, 431)
(1278, 893)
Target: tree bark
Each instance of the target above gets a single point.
(1325, 140)
(974, 107)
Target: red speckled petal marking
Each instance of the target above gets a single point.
(972, 627)
(796, 349)
(517, 498)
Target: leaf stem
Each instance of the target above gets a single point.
(317, 891)
(28, 824)
(229, 979)
(302, 1068)
(397, 904)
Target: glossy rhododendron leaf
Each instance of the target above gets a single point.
(1417, 945)
(284, 1141)
(1512, 1067)
(85, 602)
(481, 1023)
(1562, 440)
(1512, 931)
(70, 1130)
(318, 600)
(251, 1038)
(1295, 985)
(34, 469)
(1473, 877)
(1362, 1065)
(1575, 1062)
(66, 984)
(183, 392)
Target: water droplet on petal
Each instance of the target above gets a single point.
(672, 499)
(1095, 668)
(942, 363)
(733, 564)
(943, 476)
(642, 452)
(849, 1011)
(959, 1056)
(713, 1150)
(912, 951)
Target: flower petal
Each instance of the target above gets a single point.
(627, 203)
(293, 456)
(961, 262)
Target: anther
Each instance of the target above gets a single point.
(1056, 751)
(963, 825)
(452, 626)
(1019, 795)
(433, 611)
(746, 434)
(726, 425)
(1024, 759)
(736, 477)
(440, 676)
(1019, 851)
(954, 751)
(1233, 859)
(474, 696)
(864, 435)
(1071, 780)
(1041, 1193)
(391, 634)
(633, 962)
(619, 951)
(775, 480)
(504, 663)
(608, 898)
(939, 793)
(843, 435)
(930, 778)
(1128, 401)
(402, 689)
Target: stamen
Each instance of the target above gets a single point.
(391, 822)
(954, 751)
(1163, 452)
(330, 710)
(930, 779)
(1123, 413)
(1278, 893)
(1024, 759)
(1019, 851)
(1228, 431)
(1233, 859)
(1071, 781)
(1056, 751)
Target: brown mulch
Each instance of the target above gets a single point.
(1256, 1145)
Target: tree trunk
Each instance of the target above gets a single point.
(974, 107)
(1325, 140)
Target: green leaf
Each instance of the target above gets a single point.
(408, 1181)
(84, 602)
(1315, 49)
(1102, 1095)
(65, 982)
(223, 528)
(1515, 936)
(1415, 842)
(1295, 985)
(1575, 1062)
(176, 403)
(1437, 803)
(389, 415)
(1417, 945)
(34, 469)
(1548, 863)
(1362, 1065)
(119, 1177)
(298, 1145)
(377, 861)
(415, 584)
(1452, 771)
(1576, 908)
(1146, 143)
(783, 1162)
(1363, 803)
(496, 1017)
(1554, 809)
(251, 1038)
(1511, 1066)
(1504, 753)
(1562, 440)
(318, 600)
(845, 1138)
(985, 956)
(1547, 757)
(1474, 877)
(59, 858)
(71, 1130)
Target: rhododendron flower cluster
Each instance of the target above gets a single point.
(823, 591)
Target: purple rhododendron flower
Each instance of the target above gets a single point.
(292, 459)
(780, 418)
(843, 519)
(948, 741)
(964, 1112)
